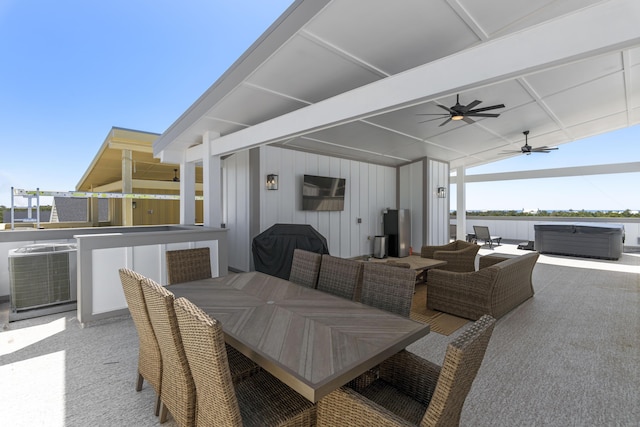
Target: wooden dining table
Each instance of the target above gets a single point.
(312, 341)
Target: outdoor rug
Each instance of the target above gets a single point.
(439, 322)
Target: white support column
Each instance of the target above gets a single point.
(187, 193)
(127, 187)
(211, 183)
(461, 210)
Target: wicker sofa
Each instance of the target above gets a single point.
(495, 290)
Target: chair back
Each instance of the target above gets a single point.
(481, 232)
(203, 340)
(305, 268)
(388, 287)
(149, 357)
(186, 265)
(178, 393)
(341, 277)
(461, 363)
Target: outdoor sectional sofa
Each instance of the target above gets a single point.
(495, 289)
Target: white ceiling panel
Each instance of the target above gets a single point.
(358, 134)
(559, 79)
(599, 98)
(308, 62)
(247, 105)
(394, 36)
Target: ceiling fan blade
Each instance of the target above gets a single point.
(543, 149)
(468, 107)
(492, 107)
(447, 108)
(468, 120)
(445, 122)
(482, 114)
(430, 120)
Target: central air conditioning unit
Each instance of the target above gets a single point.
(42, 275)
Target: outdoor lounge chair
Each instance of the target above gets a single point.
(482, 233)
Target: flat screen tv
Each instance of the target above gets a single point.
(321, 193)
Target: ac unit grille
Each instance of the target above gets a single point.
(41, 279)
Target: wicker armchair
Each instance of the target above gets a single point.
(388, 287)
(186, 265)
(411, 391)
(260, 400)
(305, 268)
(149, 358)
(460, 255)
(495, 290)
(341, 277)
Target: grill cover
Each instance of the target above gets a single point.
(273, 248)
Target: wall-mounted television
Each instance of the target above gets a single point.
(322, 193)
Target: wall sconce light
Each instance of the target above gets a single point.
(272, 182)
(133, 205)
(442, 193)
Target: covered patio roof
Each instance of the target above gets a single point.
(350, 78)
(105, 173)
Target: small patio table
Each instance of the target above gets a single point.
(312, 341)
(416, 262)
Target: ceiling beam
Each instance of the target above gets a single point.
(632, 167)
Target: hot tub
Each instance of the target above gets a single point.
(581, 239)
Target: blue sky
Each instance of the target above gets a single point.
(72, 69)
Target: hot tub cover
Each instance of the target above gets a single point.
(273, 248)
(583, 239)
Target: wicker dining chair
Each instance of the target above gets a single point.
(186, 265)
(305, 268)
(178, 393)
(149, 358)
(260, 400)
(341, 277)
(388, 287)
(412, 390)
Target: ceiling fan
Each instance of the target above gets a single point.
(463, 112)
(527, 149)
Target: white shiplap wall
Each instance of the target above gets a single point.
(437, 217)
(369, 189)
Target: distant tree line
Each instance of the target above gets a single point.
(627, 213)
